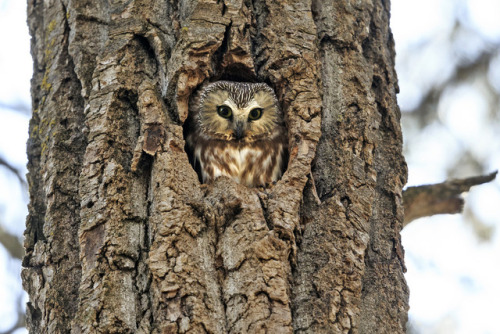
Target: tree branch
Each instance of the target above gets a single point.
(11, 244)
(19, 107)
(440, 198)
(14, 170)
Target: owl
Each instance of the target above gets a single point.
(236, 129)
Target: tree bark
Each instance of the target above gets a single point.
(121, 236)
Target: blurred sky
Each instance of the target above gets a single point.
(15, 75)
(453, 270)
(453, 265)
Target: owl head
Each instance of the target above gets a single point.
(238, 111)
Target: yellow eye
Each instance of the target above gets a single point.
(255, 114)
(224, 111)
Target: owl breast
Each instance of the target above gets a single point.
(253, 164)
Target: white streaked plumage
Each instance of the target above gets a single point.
(237, 130)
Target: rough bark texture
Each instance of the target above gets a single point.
(122, 238)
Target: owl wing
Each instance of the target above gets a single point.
(191, 134)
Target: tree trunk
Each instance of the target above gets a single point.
(122, 237)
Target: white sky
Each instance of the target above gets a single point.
(453, 277)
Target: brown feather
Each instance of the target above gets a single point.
(256, 159)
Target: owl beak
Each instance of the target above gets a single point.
(238, 132)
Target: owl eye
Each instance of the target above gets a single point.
(255, 114)
(224, 111)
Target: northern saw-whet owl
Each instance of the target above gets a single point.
(237, 130)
